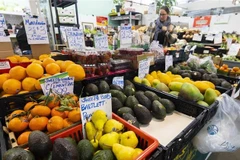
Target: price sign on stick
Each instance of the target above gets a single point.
(218, 38)
(143, 68)
(101, 42)
(126, 35)
(118, 81)
(75, 38)
(4, 65)
(88, 105)
(168, 61)
(3, 37)
(197, 37)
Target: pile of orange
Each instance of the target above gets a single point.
(47, 115)
(22, 80)
(224, 68)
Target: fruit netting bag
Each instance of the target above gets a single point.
(222, 132)
(207, 64)
(193, 62)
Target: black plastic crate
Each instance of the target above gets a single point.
(230, 79)
(3, 146)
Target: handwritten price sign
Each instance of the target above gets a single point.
(101, 42)
(126, 34)
(3, 37)
(118, 81)
(75, 38)
(143, 68)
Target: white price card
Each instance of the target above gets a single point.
(168, 61)
(36, 29)
(75, 38)
(229, 42)
(88, 105)
(60, 84)
(234, 49)
(218, 38)
(101, 42)
(197, 37)
(118, 81)
(3, 37)
(210, 37)
(4, 65)
(152, 8)
(126, 35)
(143, 68)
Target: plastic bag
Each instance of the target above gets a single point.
(207, 64)
(222, 132)
(157, 49)
(193, 62)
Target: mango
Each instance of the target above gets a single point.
(175, 86)
(164, 78)
(162, 87)
(155, 83)
(137, 79)
(190, 92)
(217, 92)
(154, 74)
(210, 96)
(201, 86)
(146, 82)
(202, 103)
(211, 85)
(149, 78)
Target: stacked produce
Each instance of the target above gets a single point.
(53, 113)
(21, 80)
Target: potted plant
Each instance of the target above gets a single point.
(119, 4)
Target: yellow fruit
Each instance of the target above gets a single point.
(38, 85)
(7, 75)
(65, 65)
(149, 78)
(28, 84)
(46, 75)
(137, 79)
(12, 59)
(169, 73)
(137, 152)
(217, 92)
(35, 70)
(37, 61)
(178, 80)
(211, 85)
(24, 59)
(164, 78)
(47, 61)
(76, 71)
(3, 78)
(12, 86)
(201, 86)
(18, 73)
(7, 95)
(59, 62)
(52, 68)
(17, 57)
(43, 56)
(154, 74)
(23, 92)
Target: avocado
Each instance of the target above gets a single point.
(131, 101)
(48, 157)
(129, 91)
(123, 110)
(143, 115)
(187, 68)
(174, 93)
(206, 77)
(119, 95)
(158, 110)
(181, 72)
(169, 105)
(104, 155)
(196, 76)
(213, 75)
(226, 84)
(85, 150)
(170, 68)
(216, 81)
(202, 71)
(91, 89)
(116, 104)
(142, 99)
(151, 95)
(64, 149)
(175, 70)
(182, 67)
(116, 87)
(18, 154)
(103, 87)
(128, 83)
(71, 140)
(185, 74)
(131, 119)
(39, 143)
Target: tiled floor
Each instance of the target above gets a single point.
(225, 156)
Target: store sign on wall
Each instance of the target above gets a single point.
(3, 37)
(36, 29)
(102, 21)
(202, 21)
(75, 38)
(101, 42)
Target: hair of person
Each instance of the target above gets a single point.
(165, 8)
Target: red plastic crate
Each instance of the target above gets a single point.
(146, 142)
(6, 62)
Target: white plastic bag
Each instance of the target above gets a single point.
(193, 62)
(156, 48)
(222, 132)
(207, 64)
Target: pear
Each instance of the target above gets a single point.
(99, 118)
(137, 80)
(137, 152)
(146, 82)
(113, 125)
(107, 140)
(122, 152)
(155, 82)
(90, 130)
(129, 139)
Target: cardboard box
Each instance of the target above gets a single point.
(6, 49)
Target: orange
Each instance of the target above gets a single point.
(55, 112)
(55, 124)
(24, 59)
(65, 64)
(23, 92)
(40, 110)
(17, 57)
(12, 59)
(23, 138)
(225, 66)
(38, 85)
(74, 115)
(12, 86)
(35, 70)
(7, 95)
(222, 68)
(76, 71)
(3, 78)
(47, 61)
(18, 73)
(29, 117)
(29, 105)
(18, 124)
(235, 69)
(38, 123)
(59, 62)
(52, 68)
(67, 123)
(28, 84)
(37, 61)
(46, 75)
(15, 113)
(43, 56)
(53, 101)
(7, 75)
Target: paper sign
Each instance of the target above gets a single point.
(4, 65)
(126, 35)
(197, 37)
(229, 42)
(3, 37)
(36, 30)
(60, 84)
(101, 42)
(234, 49)
(210, 37)
(222, 19)
(143, 68)
(168, 61)
(152, 8)
(218, 38)
(118, 81)
(88, 105)
(206, 51)
(75, 38)
(202, 21)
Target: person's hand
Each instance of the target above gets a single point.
(170, 28)
(164, 28)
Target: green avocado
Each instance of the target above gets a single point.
(131, 119)
(158, 110)
(116, 87)
(129, 91)
(91, 89)
(119, 95)
(151, 95)
(169, 105)
(131, 101)
(104, 155)
(85, 150)
(18, 154)
(123, 110)
(103, 87)
(142, 114)
(116, 104)
(142, 99)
